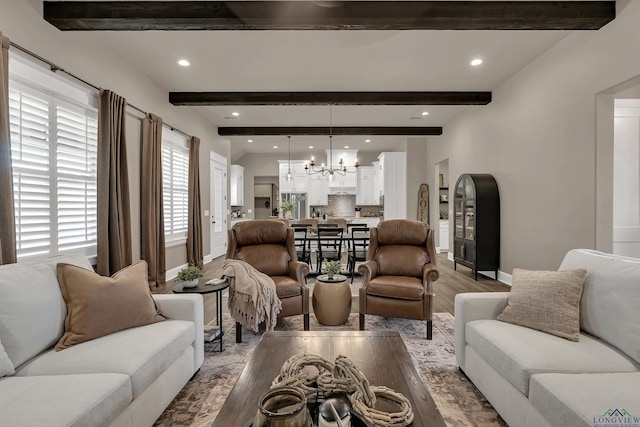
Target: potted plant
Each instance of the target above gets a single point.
(286, 207)
(189, 276)
(331, 267)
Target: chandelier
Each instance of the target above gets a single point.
(342, 168)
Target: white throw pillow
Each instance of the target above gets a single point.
(6, 367)
(32, 310)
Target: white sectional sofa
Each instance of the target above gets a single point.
(123, 379)
(535, 379)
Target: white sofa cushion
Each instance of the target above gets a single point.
(32, 310)
(63, 400)
(584, 400)
(6, 367)
(517, 352)
(610, 298)
(142, 353)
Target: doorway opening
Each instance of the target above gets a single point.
(618, 169)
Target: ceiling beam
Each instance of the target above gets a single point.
(327, 15)
(326, 98)
(325, 130)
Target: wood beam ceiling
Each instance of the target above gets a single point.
(325, 130)
(316, 15)
(325, 98)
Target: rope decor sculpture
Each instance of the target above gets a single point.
(343, 376)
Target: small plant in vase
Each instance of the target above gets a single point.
(286, 207)
(189, 276)
(331, 267)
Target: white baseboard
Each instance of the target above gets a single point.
(173, 273)
(208, 258)
(450, 256)
(505, 278)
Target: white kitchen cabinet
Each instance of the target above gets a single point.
(318, 190)
(377, 185)
(443, 226)
(364, 193)
(237, 185)
(343, 183)
(299, 178)
(393, 176)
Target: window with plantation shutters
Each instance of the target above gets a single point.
(175, 186)
(54, 160)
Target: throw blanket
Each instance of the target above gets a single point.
(253, 298)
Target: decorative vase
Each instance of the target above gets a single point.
(288, 215)
(190, 283)
(330, 275)
(283, 406)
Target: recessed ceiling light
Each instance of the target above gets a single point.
(367, 140)
(425, 113)
(475, 62)
(346, 146)
(249, 140)
(275, 146)
(235, 114)
(311, 146)
(183, 63)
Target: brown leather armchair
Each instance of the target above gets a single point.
(399, 272)
(268, 245)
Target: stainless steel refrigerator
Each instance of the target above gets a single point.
(299, 201)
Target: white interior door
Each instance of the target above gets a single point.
(218, 172)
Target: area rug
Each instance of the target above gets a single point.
(459, 402)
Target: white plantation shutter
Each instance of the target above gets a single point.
(76, 163)
(54, 155)
(29, 119)
(175, 186)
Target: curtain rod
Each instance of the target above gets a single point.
(54, 68)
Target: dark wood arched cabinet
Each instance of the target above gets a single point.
(476, 235)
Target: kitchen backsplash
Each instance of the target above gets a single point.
(345, 205)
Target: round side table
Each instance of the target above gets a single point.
(332, 300)
(202, 289)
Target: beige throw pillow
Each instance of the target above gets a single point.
(98, 305)
(548, 301)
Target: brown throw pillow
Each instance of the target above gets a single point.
(548, 301)
(98, 305)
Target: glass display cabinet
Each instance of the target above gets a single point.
(476, 236)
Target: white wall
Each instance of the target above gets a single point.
(94, 61)
(416, 173)
(538, 139)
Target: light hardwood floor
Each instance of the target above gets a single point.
(446, 287)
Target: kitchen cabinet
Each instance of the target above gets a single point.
(476, 234)
(443, 226)
(237, 185)
(299, 179)
(343, 183)
(377, 186)
(364, 192)
(393, 179)
(318, 190)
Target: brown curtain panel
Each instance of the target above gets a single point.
(194, 231)
(152, 247)
(114, 219)
(7, 219)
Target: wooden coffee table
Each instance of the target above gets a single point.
(381, 356)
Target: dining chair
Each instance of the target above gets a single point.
(303, 250)
(329, 244)
(358, 247)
